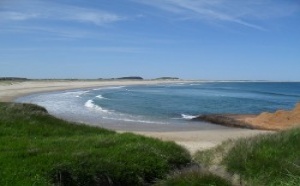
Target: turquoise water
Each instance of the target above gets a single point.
(165, 104)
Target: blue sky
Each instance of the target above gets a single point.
(190, 39)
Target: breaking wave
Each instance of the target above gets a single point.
(189, 117)
(100, 97)
(90, 104)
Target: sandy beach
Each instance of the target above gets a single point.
(10, 91)
(193, 140)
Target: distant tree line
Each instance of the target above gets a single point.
(130, 78)
(167, 78)
(12, 79)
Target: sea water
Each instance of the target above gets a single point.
(167, 103)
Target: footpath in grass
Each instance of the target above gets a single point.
(269, 159)
(39, 149)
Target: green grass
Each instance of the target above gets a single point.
(193, 177)
(39, 149)
(268, 159)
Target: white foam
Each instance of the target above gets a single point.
(100, 97)
(75, 93)
(90, 104)
(185, 116)
(116, 87)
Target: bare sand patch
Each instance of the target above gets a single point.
(203, 139)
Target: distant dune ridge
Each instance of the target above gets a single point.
(281, 119)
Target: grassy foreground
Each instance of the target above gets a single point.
(193, 177)
(272, 159)
(39, 149)
(267, 160)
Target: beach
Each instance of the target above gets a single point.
(192, 139)
(12, 90)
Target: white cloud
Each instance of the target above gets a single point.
(57, 32)
(53, 20)
(89, 16)
(47, 10)
(16, 16)
(235, 11)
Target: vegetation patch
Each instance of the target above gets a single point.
(194, 177)
(39, 149)
(272, 159)
(268, 159)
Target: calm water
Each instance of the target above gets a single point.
(165, 104)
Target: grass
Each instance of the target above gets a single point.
(194, 177)
(269, 159)
(39, 149)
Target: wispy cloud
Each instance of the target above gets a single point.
(16, 16)
(54, 32)
(104, 49)
(54, 20)
(47, 10)
(240, 12)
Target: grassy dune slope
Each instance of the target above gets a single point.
(269, 159)
(37, 148)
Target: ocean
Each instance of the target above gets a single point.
(166, 104)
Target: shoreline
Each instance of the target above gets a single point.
(229, 120)
(192, 139)
(10, 92)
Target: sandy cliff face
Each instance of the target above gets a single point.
(281, 119)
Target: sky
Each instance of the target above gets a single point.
(189, 39)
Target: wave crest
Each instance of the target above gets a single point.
(189, 117)
(100, 97)
(90, 104)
